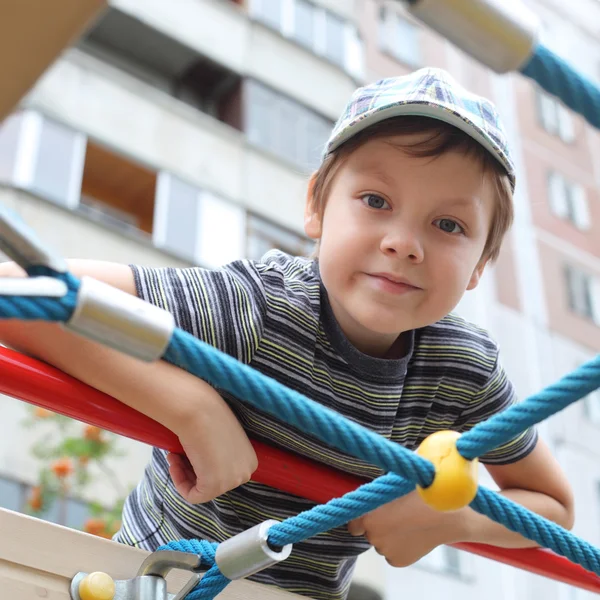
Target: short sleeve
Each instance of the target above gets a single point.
(223, 307)
(496, 395)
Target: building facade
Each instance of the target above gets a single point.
(183, 132)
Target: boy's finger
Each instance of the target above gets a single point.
(356, 527)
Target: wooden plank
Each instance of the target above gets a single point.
(33, 33)
(38, 560)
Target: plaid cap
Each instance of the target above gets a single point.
(431, 93)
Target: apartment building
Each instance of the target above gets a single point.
(182, 132)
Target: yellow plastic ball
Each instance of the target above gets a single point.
(97, 586)
(455, 482)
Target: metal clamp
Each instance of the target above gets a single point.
(500, 34)
(148, 584)
(20, 244)
(121, 321)
(249, 552)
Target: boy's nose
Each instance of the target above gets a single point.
(403, 243)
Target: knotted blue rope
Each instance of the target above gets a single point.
(559, 78)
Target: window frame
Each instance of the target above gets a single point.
(583, 302)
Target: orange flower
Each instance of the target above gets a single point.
(35, 499)
(92, 433)
(42, 413)
(62, 467)
(95, 527)
(84, 459)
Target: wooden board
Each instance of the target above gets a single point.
(38, 560)
(33, 33)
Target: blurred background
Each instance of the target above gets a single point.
(182, 132)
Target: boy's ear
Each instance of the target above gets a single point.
(312, 217)
(477, 273)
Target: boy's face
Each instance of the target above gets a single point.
(401, 239)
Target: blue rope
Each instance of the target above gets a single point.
(560, 79)
(340, 511)
(532, 526)
(36, 308)
(504, 426)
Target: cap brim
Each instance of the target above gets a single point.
(426, 109)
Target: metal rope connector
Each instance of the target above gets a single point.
(148, 584)
(121, 321)
(21, 244)
(249, 552)
(500, 34)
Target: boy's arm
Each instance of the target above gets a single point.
(406, 529)
(186, 405)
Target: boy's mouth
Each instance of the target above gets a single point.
(392, 283)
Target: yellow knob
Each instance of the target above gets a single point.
(455, 482)
(97, 586)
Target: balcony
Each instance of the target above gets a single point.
(224, 34)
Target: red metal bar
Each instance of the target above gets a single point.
(40, 384)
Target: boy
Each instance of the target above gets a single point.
(411, 201)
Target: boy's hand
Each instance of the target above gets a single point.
(219, 456)
(406, 529)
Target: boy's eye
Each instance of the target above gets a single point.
(374, 201)
(449, 226)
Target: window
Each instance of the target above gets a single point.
(568, 201)
(555, 118)
(304, 23)
(583, 293)
(117, 191)
(43, 157)
(399, 37)
(335, 42)
(263, 236)
(315, 28)
(284, 127)
(197, 225)
(269, 12)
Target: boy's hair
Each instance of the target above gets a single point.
(443, 138)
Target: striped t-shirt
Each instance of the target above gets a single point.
(274, 316)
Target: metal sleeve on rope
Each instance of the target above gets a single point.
(121, 321)
(249, 552)
(500, 34)
(21, 244)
